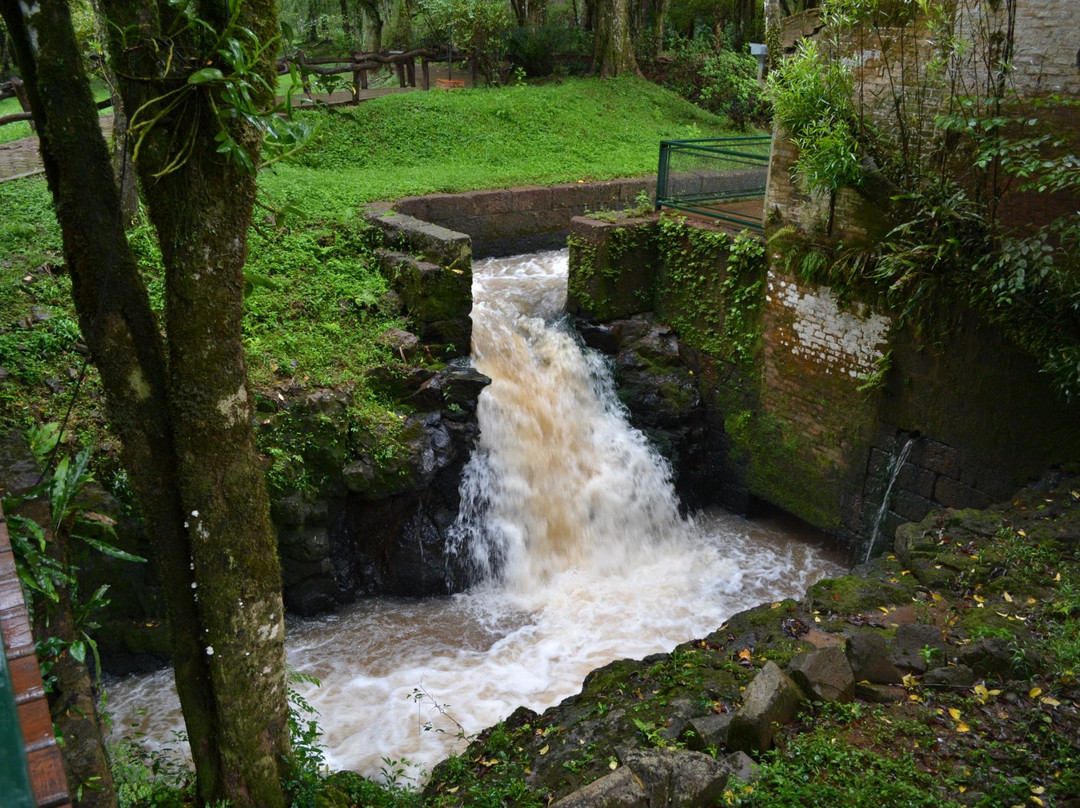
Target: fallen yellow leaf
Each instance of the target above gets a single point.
(1035, 800)
(1035, 692)
(1038, 790)
(1050, 702)
(962, 727)
(883, 609)
(954, 713)
(544, 751)
(613, 764)
(1008, 597)
(979, 598)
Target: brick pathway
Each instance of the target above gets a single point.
(20, 158)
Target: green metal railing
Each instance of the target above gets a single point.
(14, 778)
(708, 175)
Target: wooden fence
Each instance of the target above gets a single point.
(358, 64)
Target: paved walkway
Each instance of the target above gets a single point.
(21, 158)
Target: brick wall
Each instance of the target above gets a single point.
(887, 61)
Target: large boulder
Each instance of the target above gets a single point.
(919, 648)
(824, 675)
(659, 778)
(868, 654)
(771, 698)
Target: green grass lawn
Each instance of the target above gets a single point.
(425, 142)
(320, 323)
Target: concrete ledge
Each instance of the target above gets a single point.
(438, 244)
(506, 221)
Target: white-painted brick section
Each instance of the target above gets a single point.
(850, 341)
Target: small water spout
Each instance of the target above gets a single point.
(892, 472)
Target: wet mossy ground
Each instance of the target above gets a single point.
(1008, 577)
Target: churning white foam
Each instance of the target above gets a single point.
(573, 530)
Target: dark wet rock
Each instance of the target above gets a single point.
(989, 656)
(311, 596)
(950, 676)
(824, 675)
(919, 648)
(880, 694)
(868, 655)
(771, 698)
(290, 510)
(309, 543)
(661, 778)
(403, 344)
(707, 731)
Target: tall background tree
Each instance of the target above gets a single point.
(198, 80)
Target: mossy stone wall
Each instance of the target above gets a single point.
(810, 393)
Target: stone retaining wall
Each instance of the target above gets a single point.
(508, 221)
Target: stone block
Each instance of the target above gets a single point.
(305, 543)
(487, 203)
(910, 506)
(532, 197)
(824, 675)
(311, 596)
(416, 206)
(707, 730)
(868, 655)
(771, 698)
(950, 676)
(917, 480)
(938, 458)
(919, 648)
(880, 694)
(293, 572)
(436, 243)
(658, 778)
(954, 494)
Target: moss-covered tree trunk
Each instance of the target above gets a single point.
(613, 52)
(185, 421)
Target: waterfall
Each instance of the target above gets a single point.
(560, 479)
(578, 553)
(892, 472)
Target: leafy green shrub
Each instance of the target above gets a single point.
(534, 49)
(722, 81)
(730, 87)
(475, 26)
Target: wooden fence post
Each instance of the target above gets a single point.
(410, 70)
(425, 69)
(24, 102)
(400, 65)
